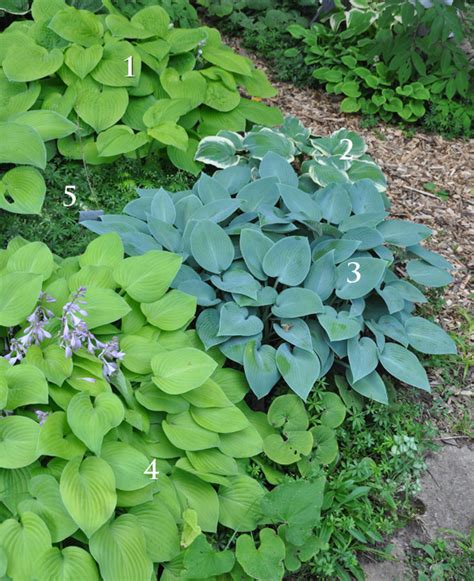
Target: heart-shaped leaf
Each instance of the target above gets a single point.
(288, 260)
(181, 370)
(82, 60)
(235, 320)
(299, 368)
(263, 563)
(297, 302)
(260, 368)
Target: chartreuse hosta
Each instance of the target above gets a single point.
(294, 262)
(125, 447)
(93, 87)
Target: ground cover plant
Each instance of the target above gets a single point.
(401, 61)
(298, 272)
(93, 87)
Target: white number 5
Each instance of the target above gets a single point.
(69, 191)
(356, 271)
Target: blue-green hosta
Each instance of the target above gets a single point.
(124, 446)
(294, 261)
(93, 86)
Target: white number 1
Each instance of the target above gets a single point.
(355, 271)
(129, 61)
(152, 471)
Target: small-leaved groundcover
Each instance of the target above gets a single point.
(126, 449)
(294, 262)
(93, 87)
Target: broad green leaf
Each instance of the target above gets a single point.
(146, 278)
(211, 247)
(24, 543)
(263, 563)
(404, 365)
(46, 502)
(265, 140)
(22, 191)
(184, 433)
(260, 368)
(56, 438)
(33, 258)
(239, 503)
(181, 370)
(36, 62)
(226, 58)
(87, 489)
(48, 124)
(288, 449)
(18, 442)
(79, 26)
(119, 547)
(119, 139)
(334, 410)
(106, 250)
(262, 114)
(243, 444)
(91, 421)
(203, 561)
(170, 133)
(200, 496)
(213, 461)
(288, 412)
(26, 385)
(426, 337)
(299, 368)
(128, 464)
(190, 86)
(171, 312)
(21, 145)
(104, 306)
(101, 107)
(222, 420)
(67, 564)
(219, 97)
(325, 444)
(82, 60)
(159, 526)
(288, 260)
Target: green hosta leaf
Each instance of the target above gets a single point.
(288, 260)
(243, 444)
(26, 385)
(237, 320)
(57, 439)
(106, 250)
(102, 108)
(262, 114)
(119, 139)
(363, 357)
(370, 386)
(146, 278)
(226, 58)
(22, 191)
(239, 503)
(426, 337)
(355, 278)
(170, 134)
(90, 421)
(220, 97)
(120, 549)
(211, 247)
(214, 462)
(104, 306)
(260, 368)
(200, 496)
(21, 145)
(184, 433)
(404, 365)
(263, 563)
(24, 543)
(88, 491)
(203, 562)
(171, 312)
(128, 465)
(48, 124)
(18, 442)
(217, 151)
(183, 40)
(36, 62)
(427, 275)
(78, 26)
(299, 368)
(190, 86)
(181, 370)
(68, 563)
(159, 526)
(33, 258)
(46, 503)
(82, 60)
(223, 420)
(19, 293)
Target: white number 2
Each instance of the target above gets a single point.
(152, 471)
(69, 191)
(356, 271)
(129, 61)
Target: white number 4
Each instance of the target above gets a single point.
(69, 191)
(356, 272)
(152, 471)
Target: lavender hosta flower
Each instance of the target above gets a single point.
(42, 416)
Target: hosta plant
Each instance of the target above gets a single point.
(93, 86)
(294, 262)
(124, 446)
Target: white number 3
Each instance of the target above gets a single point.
(356, 271)
(69, 191)
(152, 471)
